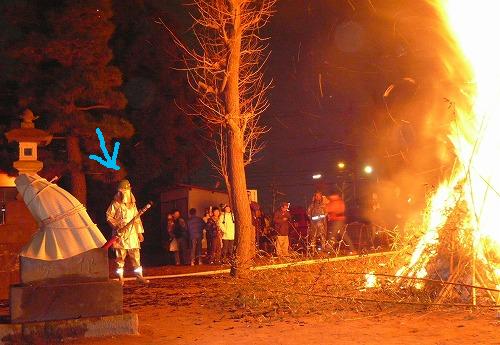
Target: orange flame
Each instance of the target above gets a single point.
(371, 280)
(475, 133)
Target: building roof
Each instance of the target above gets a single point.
(29, 135)
(189, 186)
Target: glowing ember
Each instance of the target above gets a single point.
(371, 280)
(475, 135)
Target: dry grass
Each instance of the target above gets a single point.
(337, 288)
(331, 288)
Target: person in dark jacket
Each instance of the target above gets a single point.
(214, 237)
(259, 223)
(317, 216)
(195, 226)
(281, 225)
(182, 237)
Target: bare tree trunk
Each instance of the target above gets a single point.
(229, 190)
(236, 149)
(78, 182)
(243, 218)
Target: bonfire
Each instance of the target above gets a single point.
(460, 245)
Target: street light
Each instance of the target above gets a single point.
(316, 176)
(341, 165)
(368, 169)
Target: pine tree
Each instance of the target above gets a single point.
(58, 63)
(163, 151)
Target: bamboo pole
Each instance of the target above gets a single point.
(498, 304)
(451, 256)
(474, 297)
(481, 280)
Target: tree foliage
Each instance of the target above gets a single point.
(162, 151)
(58, 63)
(82, 65)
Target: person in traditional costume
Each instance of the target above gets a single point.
(121, 212)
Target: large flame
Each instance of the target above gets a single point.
(475, 133)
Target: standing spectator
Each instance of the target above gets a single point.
(195, 226)
(254, 207)
(173, 246)
(266, 236)
(207, 214)
(317, 215)
(281, 224)
(336, 221)
(214, 237)
(226, 223)
(260, 224)
(206, 217)
(182, 237)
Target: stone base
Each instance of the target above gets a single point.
(28, 167)
(55, 331)
(65, 301)
(91, 265)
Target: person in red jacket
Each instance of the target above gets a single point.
(336, 222)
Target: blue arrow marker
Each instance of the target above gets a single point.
(110, 162)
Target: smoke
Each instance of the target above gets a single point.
(364, 82)
(420, 83)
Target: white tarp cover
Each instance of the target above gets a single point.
(65, 229)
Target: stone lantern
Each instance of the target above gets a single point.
(29, 138)
(57, 296)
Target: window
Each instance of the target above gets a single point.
(28, 151)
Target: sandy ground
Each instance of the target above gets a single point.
(194, 324)
(173, 311)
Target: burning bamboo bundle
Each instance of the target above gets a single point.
(461, 243)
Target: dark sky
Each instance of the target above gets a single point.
(331, 63)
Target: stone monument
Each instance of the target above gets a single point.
(64, 271)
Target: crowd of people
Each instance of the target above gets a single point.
(186, 236)
(325, 223)
(217, 228)
(326, 228)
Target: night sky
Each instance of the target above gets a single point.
(331, 63)
(362, 81)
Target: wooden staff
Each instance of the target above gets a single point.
(121, 231)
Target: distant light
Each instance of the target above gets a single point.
(368, 169)
(316, 176)
(6, 180)
(341, 165)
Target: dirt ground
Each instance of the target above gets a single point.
(182, 311)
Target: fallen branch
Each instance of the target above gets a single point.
(422, 279)
(359, 299)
